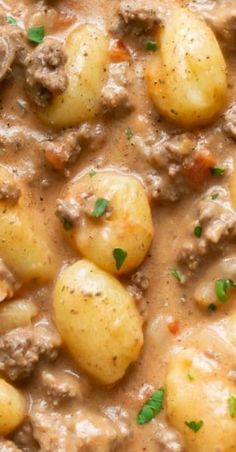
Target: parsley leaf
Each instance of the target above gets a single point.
(100, 207)
(67, 225)
(221, 288)
(190, 375)
(129, 133)
(36, 34)
(11, 20)
(92, 173)
(152, 407)
(119, 255)
(194, 425)
(177, 275)
(152, 46)
(217, 171)
(198, 231)
(232, 405)
(214, 196)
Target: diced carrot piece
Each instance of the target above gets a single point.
(173, 327)
(54, 159)
(197, 167)
(118, 51)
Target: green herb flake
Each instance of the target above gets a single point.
(11, 20)
(217, 171)
(176, 274)
(36, 34)
(100, 207)
(214, 196)
(92, 173)
(232, 405)
(194, 425)
(152, 407)
(67, 225)
(129, 133)
(190, 375)
(198, 231)
(151, 46)
(212, 307)
(119, 255)
(221, 288)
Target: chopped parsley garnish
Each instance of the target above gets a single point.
(194, 425)
(217, 171)
(176, 274)
(232, 405)
(221, 288)
(190, 375)
(129, 133)
(152, 407)
(36, 34)
(198, 231)
(67, 225)
(212, 307)
(100, 207)
(11, 20)
(214, 196)
(92, 173)
(119, 255)
(152, 46)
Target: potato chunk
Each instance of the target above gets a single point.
(16, 313)
(125, 225)
(98, 321)
(87, 50)
(198, 391)
(13, 408)
(187, 76)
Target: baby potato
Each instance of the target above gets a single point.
(16, 313)
(13, 408)
(98, 321)
(197, 391)
(87, 51)
(186, 78)
(126, 225)
(24, 243)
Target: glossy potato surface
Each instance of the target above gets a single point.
(129, 225)
(87, 50)
(12, 410)
(98, 321)
(186, 78)
(203, 397)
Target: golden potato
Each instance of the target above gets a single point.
(186, 78)
(197, 390)
(87, 51)
(13, 408)
(24, 243)
(16, 313)
(126, 225)
(98, 321)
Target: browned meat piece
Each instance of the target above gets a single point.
(24, 439)
(12, 47)
(229, 125)
(116, 93)
(8, 446)
(141, 15)
(83, 431)
(9, 192)
(22, 348)
(65, 148)
(45, 72)
(138, 285)
(68, 210)
(60, 387)
(8, 282)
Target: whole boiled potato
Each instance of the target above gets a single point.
(198, 394)
(13, 408)
(87, 50)
(186, 78)
(126, 225)
(98, 321)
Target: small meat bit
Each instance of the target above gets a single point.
(9, 192)
(8, 282)
(116, 93)
(139, 15)
(139, 285)
(60, 387)
(69, 210)
(45, 73)
(229, 124)
(8, 446)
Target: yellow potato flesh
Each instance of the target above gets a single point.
(98, 321)
(87, 51)
(186, 78)
(12, 410)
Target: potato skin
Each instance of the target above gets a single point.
(87, 51)
(129, 225)
(13, 408)
(186, 78)
(205, 397)
(98, 321)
